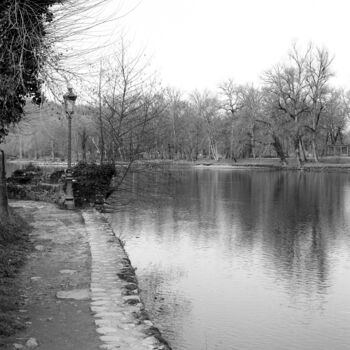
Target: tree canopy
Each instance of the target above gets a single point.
(22, 55)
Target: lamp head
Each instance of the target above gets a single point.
(69, 100)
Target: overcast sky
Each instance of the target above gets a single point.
(199, 43)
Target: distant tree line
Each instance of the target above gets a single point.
(295, 112)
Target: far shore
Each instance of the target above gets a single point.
(331, 163)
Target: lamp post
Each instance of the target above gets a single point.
(69, 103)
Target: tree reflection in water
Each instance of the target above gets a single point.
(243, 259)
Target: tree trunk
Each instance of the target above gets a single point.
(314, 148)
(231, 141)
(102, 142)
(174, 137)
(4, 207)
(52, 150)
(302, 150)
(84, 153)
(20, 147)
(279, 149)
(214, 150)
(252, 141)
(297, 152)
(83, 139)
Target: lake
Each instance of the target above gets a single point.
(241, 259)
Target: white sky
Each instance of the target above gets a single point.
(199, 43)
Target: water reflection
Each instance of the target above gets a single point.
(243, 259)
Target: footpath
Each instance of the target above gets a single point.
(79, 290)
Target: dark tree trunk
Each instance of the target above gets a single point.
(52, 150)
(297, 151)
(279, 149)
(314, 148)
(84, 138)
(4, 207)
(100, 119)
(302, 150)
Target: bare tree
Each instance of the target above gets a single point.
(207, 106)
(231, 95)
(318, 74)
(131, 101)
(174, 110)
(336, 116)
(251, 111)
(287, 84)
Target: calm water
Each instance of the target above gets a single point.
(242, 259)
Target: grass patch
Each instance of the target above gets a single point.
(14, 246)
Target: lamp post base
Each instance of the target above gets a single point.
(69, 203)
(69, 200)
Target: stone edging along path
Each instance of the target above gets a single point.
(120, 315)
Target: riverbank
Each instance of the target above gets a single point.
(325, 163)
(78, 289)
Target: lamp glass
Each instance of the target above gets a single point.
(69, 105)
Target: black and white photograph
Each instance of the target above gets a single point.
(174, 175)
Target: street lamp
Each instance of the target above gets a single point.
(69, 103)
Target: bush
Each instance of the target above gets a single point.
(26, 175)
(91, 181)
(32, 168)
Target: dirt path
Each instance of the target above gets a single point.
(60, 262)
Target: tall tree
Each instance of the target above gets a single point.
(318, 74)
(231, 100)
(23, 52)
(287, 84)
(336, 117)
(207, 108)
(251, 112)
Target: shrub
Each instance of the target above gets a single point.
(32, 168)
(26, 175)
(91, 181)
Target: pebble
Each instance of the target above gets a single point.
(110, 338)
(39, 247)
(76, 294)
(105, 330)
(109, 347)
(18, 346)
(35, 279)
(68, 272)
(32, 343)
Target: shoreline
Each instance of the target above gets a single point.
(106, 252)
(325, 163)
(306, 167)
(79, 290)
